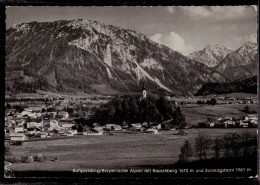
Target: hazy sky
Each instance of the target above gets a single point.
(183, 29)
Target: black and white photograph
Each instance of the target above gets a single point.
(131, 91)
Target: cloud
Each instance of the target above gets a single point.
(217, 12)
(173, 41)
(237, 42)
(170, 9)
(243, 39)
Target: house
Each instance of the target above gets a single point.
(145, 124)
(210, 124)
(54, 123)
(70, 133)
(97, 129)
(124, 125)
(43, 134)
(94, 133)
(96, 124)
(152, 130)
(18, 137)
(253, 122)
(35, 123)
(63, 115)
(136, 129)
(116, 127)
(73, 132)
(136, 125)
(229, 123)
(156, 125)
(109, 126)
(28, 113)
(67, 126)
(251, 117)
(243, 124)
(19, 129)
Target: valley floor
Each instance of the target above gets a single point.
(106, 151)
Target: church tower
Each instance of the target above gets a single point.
(144, 92)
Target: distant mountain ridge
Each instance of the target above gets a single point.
(211, 55)
(96, 58)
(240, 63)
(248, 85)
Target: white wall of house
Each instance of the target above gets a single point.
(18, 129)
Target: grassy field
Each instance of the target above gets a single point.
(199, 113)
(116, 151)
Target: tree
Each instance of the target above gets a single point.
(227, 147)
(212, 101)
(130, 109)
(8, 106)
(218, 144)
(247, 109)
(202, 144)
(186, 151)
(235, 148)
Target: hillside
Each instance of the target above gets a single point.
(240, 63)
(248, 85)
(84, 55)
(211, 55)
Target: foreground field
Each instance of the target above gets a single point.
(110, 151)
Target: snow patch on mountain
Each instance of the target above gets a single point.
(107, 57)
(248, 49)
(25, 28)
(62, 34)
(141, 73)
(109, 73)
(79, 23)
(150, 63)
(83, 43)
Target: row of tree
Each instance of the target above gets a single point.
(212, 101)
(222, 147)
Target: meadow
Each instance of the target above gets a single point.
(110, 151)
(199, 113)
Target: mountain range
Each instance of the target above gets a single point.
(211, 55)
(240, 63)
(89, 56)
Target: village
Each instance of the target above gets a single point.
(38, 124)
(45, 123)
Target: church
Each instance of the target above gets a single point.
(144, 93)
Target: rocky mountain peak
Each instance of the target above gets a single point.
(211, 55)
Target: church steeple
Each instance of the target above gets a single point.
(143, 92)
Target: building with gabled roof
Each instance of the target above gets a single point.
(18, 137)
